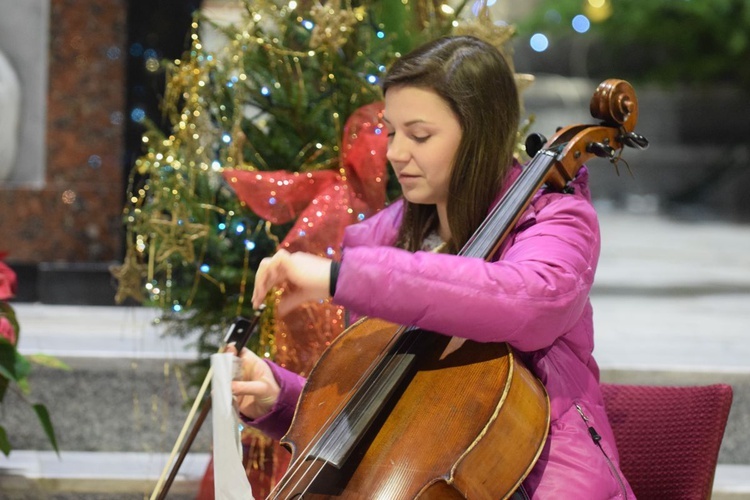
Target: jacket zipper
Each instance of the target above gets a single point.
(597, 441)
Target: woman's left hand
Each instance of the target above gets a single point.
(257, 391)
(302, 276)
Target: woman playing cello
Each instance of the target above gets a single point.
(452, 112)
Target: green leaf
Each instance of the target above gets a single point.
(48, 361)
(7, 360)
(43, 415)
(4, 443)
(13, 366)
(4, 383)
(24, 386)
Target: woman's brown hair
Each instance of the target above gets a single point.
(476, 81)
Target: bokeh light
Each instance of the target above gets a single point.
(539, 42)
(597, 10)
(581, 23)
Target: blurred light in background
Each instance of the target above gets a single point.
(581, 23)
(539, 42)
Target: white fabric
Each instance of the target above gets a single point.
(230, 479)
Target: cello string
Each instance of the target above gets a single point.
(300, 461)
(501, 214)
(332, 442)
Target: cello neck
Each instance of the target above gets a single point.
(490, 234)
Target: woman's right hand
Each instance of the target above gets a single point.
(302, 276)
(257, 390)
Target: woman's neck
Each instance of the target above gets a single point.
(443, 229)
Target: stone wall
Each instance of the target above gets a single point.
(73, 213)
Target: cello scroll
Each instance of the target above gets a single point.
(614, 102)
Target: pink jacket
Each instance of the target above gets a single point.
(535, 297)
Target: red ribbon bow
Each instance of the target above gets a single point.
(327, 201)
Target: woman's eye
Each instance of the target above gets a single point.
(421, 138)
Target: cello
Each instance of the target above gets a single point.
(385, 413)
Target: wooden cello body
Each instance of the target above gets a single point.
(393, 412)
(438, 434)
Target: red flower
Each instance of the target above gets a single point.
(7, 331)
(8, 281)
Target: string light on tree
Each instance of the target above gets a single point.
(597, 10)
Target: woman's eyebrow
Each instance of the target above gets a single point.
(407, 124)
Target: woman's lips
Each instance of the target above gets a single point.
(407, 176)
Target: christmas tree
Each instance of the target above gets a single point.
(275, 97)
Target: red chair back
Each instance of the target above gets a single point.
(668, 437)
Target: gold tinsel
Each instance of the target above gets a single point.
(333, 25)
(177, 236)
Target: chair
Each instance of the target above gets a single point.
(668, 437)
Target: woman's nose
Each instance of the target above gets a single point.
(396, 151)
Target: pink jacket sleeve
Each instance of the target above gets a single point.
(276, 423)
(531, 296)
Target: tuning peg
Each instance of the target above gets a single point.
(634, 140)
(601, 150)
(534, 143)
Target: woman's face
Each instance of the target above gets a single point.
(423, 136)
